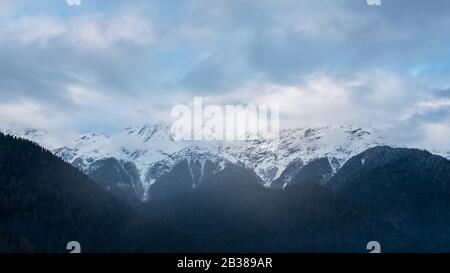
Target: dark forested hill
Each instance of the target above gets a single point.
(45, 203)
(398, 197)
(230, 216)
(407, 188)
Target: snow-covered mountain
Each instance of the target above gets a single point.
(137, 158)
(39, 136)
(270, 158)
(149, 152)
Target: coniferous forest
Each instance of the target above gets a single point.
(399, 197)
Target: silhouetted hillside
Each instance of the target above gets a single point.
(398, 197)
(45, 203)
(243, 217)
(407, 188)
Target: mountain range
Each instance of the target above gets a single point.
(133, 162)
(396, 196)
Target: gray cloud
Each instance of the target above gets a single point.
(327, 61)
(206, 76)
(345, 37)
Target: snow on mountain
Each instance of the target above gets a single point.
(152, 149)
(40, 137)
(269, 158)
(153, 152)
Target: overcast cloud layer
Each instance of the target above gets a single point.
(106, 65)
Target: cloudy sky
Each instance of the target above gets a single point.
(105, 65)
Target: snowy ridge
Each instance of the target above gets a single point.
(150, 148)
(269, 158)
(153, 151)
(39, 136)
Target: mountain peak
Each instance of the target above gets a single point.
(153, 151)
(41, 137)
(151, 132)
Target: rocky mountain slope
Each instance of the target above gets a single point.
(130, 162)
(137, 157)
(148, 152)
